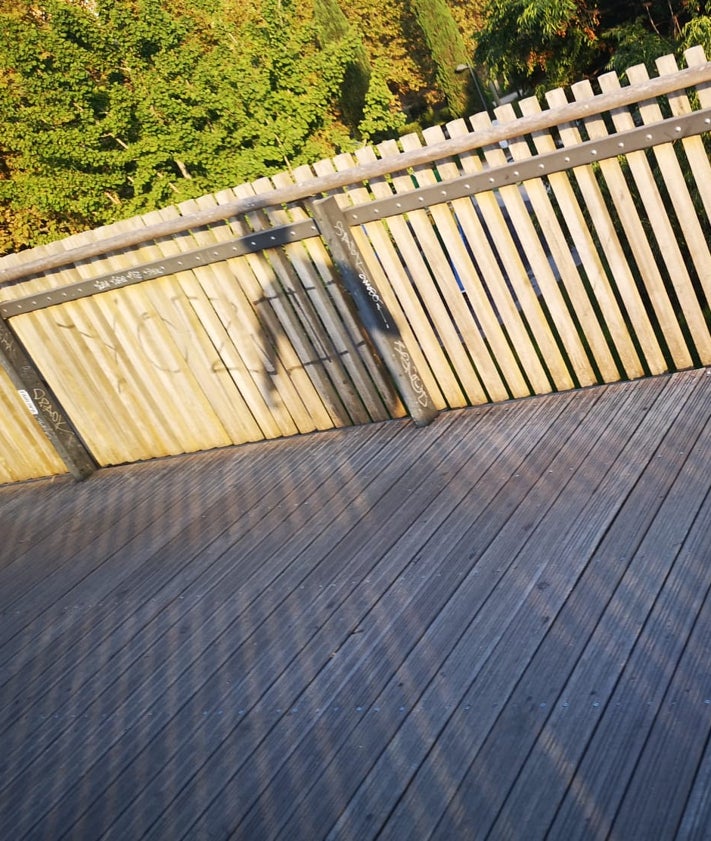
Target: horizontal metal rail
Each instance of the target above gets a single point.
(634, 140)
(251, 244)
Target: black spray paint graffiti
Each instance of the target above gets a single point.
(255, 358)
(371, 291)
(398, 345)
(144, 330)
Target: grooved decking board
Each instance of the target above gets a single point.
(379, 632)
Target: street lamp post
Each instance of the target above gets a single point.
(462, 68)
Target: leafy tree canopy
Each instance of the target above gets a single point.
(110, 109)
(531, 44)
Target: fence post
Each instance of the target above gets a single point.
(43, 405)
(374, 316)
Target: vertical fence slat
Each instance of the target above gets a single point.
(59, 349)
(169, 398)
(378, 322)
(362, 383)
(673, 177)
(620, 274)
(658, 216)
(509, 311)
(244, 302)
(452, 265)
(436, 259)
(694, 148)
(408, 275)
(398, 294)
(638, 243)
(190, 315)
(517, 215)
(563, 257)
(236, 363)
(605, 230)
(98, 373)
(285, 332)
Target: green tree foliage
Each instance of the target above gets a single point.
(109, 109)
(447, 48)
(334, 28)
(120, 108)
(525, 42)
(543, 43)
(382, 117)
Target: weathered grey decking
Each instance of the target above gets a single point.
(498, 626)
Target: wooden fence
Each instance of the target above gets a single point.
(563, 246)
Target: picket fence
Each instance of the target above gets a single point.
(563, 245)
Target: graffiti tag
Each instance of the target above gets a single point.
(411, 372)
(42, 401)
(115, 280)
(371, 291)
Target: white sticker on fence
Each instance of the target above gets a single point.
(28, 401)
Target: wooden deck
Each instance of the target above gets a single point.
(498, 626)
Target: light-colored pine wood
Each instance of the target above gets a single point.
(277, 317)
(561, 248)
(628, 215)
(677, 189)
(657, 214)
(619, 273)
(319, 259)
(422, 305)
(266, 345)
(167, 400)
(303, 270)
(463, 255)
(525, 303)
(440, 271)
(25, 451)
(597, 278)
(239, 337)
(194, 319)
(451, 265)
(292, 391)
(397, 292)
(694, 148)
(77, 355)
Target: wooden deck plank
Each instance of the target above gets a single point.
(696, 820)
(136, 514)
(350, 733)
(520, 713)
(291, 534)
(505, 698)
(43, 552)
(157, 581)
(239, 612)
(553, 763)
(334, 624)
(655, 799)
(527, 552)
(226, 486)
(380, 632)
(612, 755)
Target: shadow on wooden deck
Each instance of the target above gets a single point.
(494, 627)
